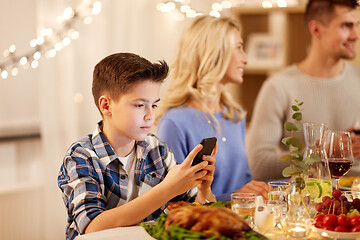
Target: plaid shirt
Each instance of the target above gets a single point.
(93, 180)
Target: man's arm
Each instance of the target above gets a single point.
(265, 134)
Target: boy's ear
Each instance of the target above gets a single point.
(104, 104)
(314, 28)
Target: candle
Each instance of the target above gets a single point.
(297, 232)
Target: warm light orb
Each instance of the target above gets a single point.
(33, 43)
(23, 60)
(191, 13)
(40, 40)
(34, 64)
(185, 8)
(226, 4)
(68, 13)
(4, 74)
(14, 71)
(12, 48)
(37, 55)
(266, 4)
(282, 3)
(52, 53)
(58, 46)
(214, 13)
(66, 41)
(87, 20)
(216, 7)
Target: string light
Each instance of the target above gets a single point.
(49, 41)
(182, 8)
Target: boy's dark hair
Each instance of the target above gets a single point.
(117, 73)
(324, 10)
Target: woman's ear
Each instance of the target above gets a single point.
(104, 104)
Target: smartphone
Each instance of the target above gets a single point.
(208, 146)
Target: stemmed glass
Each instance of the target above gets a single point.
(339, 153)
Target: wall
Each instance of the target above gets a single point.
(41, 101)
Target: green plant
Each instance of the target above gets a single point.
(298, 164)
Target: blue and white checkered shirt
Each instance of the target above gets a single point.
(93, 180)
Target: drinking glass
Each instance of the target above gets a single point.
(338, 148)
(278, 190)
(244, 204)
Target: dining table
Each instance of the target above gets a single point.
(138, 233)
(120, 233)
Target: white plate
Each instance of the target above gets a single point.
(337, 235)
(345, 188)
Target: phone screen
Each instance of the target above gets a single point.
(208, 146)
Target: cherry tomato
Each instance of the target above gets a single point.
(325, 211)
(327, 203)
(330, 220)
(325, 198)
(336, 203)
(319, 207)
(319, 224)
(319, 217)
(340, 229)
(330, 228)
(355, 220)
(336, 193)
(356, 228)
(343, 220)
(341, 210)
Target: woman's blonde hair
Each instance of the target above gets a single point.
(204, 53)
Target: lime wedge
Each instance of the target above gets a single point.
(314, 189)
(320, 189)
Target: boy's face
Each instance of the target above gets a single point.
(133, 115)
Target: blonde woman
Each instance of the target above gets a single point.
(197, 106)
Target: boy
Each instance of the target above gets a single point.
(121, 174)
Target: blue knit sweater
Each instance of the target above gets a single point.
(183, 128)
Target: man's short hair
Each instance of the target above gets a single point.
(117, 73)
(324, 10)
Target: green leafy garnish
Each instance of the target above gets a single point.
(175, 232)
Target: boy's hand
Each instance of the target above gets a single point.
(183, 177)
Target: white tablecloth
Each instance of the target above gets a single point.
(120, 233)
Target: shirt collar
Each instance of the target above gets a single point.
(106, 153)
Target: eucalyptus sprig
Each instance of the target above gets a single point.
(296, 147)
(298, 164)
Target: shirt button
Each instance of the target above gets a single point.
(122, 177)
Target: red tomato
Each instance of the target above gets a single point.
(355, 220)
(325, 198)
(340, 229)
(319, 217)
(330, 220)
(343, 220)
(356, 228)
(319, 224)
(330, 228)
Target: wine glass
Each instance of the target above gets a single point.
(339, 154)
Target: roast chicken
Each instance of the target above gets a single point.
(211, 221)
